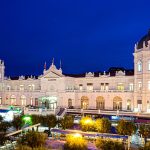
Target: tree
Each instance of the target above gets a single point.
(17, 122)
(36, 119)
(2, 138)
(144, 130)
(87, 124)
(104, 144)
(51, 121)
(33, 139)
(126, 128)
(67, 121)
(75, 142)
(1, 118)
(146, 146)
(103, 125)
(3, 128)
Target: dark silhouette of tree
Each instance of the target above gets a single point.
(17, 122)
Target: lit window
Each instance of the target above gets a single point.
(106, 86)
(140, 85)
(8, 87)
(69, 102)
(31, 100)
(120, 86)
(21, 87)
(149, 65)
(131, 88)
(102, 86)
(0, 100)
(139, 66)
(149, 85)
(89, 86)
(80, 87)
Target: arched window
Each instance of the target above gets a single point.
(13, 100)
(23, 100)
(117, 103)
(149, 65)
(128, 104)
(100, 102)
(69, 102)
(84, 102)
(139, 66)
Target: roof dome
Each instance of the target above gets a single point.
(145, 39)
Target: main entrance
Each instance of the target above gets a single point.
(49, 102)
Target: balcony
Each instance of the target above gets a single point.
(97, 91)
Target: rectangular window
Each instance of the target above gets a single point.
(80, 87)
(120, 86)
(106, 86)
(140, 85)
(131, 87)
(21, 87)
(149, 85)
(90, 86)
(102, 86)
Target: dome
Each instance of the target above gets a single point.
(145, 39)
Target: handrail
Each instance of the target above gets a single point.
(19, 131)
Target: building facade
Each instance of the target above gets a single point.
(116, 89)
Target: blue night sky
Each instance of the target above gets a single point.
(87, 35)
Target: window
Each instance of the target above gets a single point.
(69, 102)
(106, 86)
(0, 100)
(139, 65)
(31, 100)
(102, 86)
(139, 85)
(149, 85)
(8, 87)
(149, 65)
(21, 87)
(120, 86)
(128, 104)
(89, 86)
(131, 87)
(80, 87)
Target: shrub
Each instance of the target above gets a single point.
(103, 125)
(75, 142)
(87, 124)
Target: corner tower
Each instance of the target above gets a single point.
(142, 74)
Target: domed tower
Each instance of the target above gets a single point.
(142, 74)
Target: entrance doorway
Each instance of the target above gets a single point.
(49, 102)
